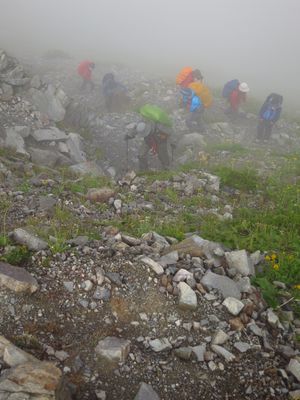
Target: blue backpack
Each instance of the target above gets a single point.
(230, 87)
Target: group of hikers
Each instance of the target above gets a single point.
(194, 97)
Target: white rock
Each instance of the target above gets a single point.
(113, 349)
(220, 337)
(187, 297)
(240, 261)
(233, 305)
(157, 268)
(159, 345)
(294, 368)
(223, 352)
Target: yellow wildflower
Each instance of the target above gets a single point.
(273, 256)
(276, 267)
(297, 286)
(267, 258)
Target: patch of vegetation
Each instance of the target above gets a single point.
(245, 179)
(152, 176)
(234, 148)
(3, 240)
(17, 255)
(82, 185)
(25, 187)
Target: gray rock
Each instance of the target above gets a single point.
(199, 352)
(169, 259)
(240, 261)
(15, 140)
(102, 293)
(225, 285)
(87, 168)
(184, 353)
(6, 92)
(157, 268)
(21, 236)
(256, 329)
(159, 345)
(187, 297)
(49, 135)
(3, 60)
(17, 279)
(223, 352)
(115, 278)
(233, 305)
(35, 82)
(47, 158)
(220, 337)
(273, 319)
(295, 394)
(79, 241)
(12, 355)
(74, 146)
(294, 368)
(182, 275)
(69, 286)
(48, 103)
(113, 349)
(146, 392)
(242, 347)
(130, 240)
(46, 203)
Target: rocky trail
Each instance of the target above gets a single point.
(109, 288)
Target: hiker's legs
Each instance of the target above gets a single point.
(268, 129)
(143, 157)
(260, 130)
(163, 154)
(87, 83)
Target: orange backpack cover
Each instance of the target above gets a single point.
(183, 74)
(203, 92)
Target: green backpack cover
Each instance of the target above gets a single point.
(156, 114)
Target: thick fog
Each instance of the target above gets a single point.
(253, 40)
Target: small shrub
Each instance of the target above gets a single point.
(243, 179)
(18, 255)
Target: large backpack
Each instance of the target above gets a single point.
(183, 74)
(155, 114)
(274, 99)
(272, 106)
(203, 92)
(229, 87)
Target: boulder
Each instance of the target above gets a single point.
(146, 392)
(21, 236)
(15, 141)
(113, 349)
(187, 297)
(157, 268)
(225, 285)
(17, 279)
(49, 135)
(102, 195)
(240, 261)
(74, 147)
(233, 305)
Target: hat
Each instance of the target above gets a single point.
(197, 74)
(243, 87)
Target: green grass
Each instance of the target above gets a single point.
(152, 176)
(234, 148)
(17, 255)
(245, 179)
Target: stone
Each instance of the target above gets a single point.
(21, 236)
(113, 349)
(17, 279)
(146, 392)
(46, 203)
(41, 380)
(100, 394)
(102, 293)
(187, 297)
(74, 146)
(69, 286)
(15, 141)
(239, 260)
(169, 259)
(199, 352)
(220, 337)
(242, 347)
(12, 355)
(47, 158)
(79, 241)
(100, 275)
(157, 268)
(236, 324)
(159, 345)
(223, 352)
(87, 168)
(61, 355)
(233, 305)
(272, 318)
(225, 285)
(47, 102)
(100, 195)
(35, 82)
(182, 275)
(49, 135)
(295, 394)
(131, 241)
(184, 353)
(256, 329)
(294, 368)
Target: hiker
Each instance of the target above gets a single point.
(186, 76)
(195, 108)
(268, 115)
(235, 92)
(115, 94)
(85, 70)
(157, 135)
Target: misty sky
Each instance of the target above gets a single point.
(253, 40)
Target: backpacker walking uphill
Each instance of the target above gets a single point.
(157, 134)
(194, 106)
(235, 92)
(268, 115)
(85, 69)
(186, 76)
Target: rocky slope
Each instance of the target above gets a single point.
(103, 314)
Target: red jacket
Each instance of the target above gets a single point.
(236, 98)
(84, 70)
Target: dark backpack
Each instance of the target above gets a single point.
(274, 99)
(229, 87)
